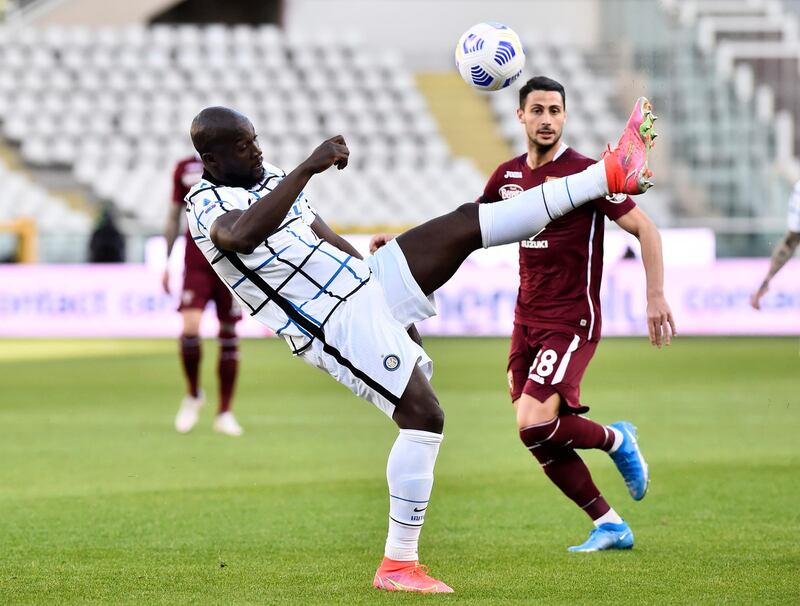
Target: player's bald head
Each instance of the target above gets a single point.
(216, 125)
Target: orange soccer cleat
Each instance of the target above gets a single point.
(407, 576)
(626, 165)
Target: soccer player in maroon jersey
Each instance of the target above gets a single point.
(201, 285)
(558, 320)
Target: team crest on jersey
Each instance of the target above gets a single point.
(513, 174)
(509, 190)
(391, 362)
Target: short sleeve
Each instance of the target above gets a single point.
(793, 216)
(203, 213)
(614, 210)
(491, 189)
(307, 212)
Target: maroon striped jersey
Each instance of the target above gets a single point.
(560, 269)
(188, 172)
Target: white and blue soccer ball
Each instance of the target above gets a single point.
(489, 56)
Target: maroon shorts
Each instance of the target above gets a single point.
(201, 286)
(543, 362)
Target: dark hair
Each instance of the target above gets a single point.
(541, 83)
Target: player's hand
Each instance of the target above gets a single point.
(332, 152)
(755, 298)
(165, 281)
(660, 323)
(378, 240)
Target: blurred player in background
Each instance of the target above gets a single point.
(349, 317)
(785, 248)
(557, 317)
(201, 285)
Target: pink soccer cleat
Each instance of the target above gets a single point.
(626, 165)
(413, 577)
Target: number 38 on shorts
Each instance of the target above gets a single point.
(543, 365)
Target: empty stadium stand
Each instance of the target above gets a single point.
(113, 105)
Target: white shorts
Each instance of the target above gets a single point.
(405, 298)
(368, 350)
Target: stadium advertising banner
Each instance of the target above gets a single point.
(127, 300)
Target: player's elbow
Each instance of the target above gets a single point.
(229, 240)
(244, 245)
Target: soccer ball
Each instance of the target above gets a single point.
(489, 56)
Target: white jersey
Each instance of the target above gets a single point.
(293, 281)
(793, 218)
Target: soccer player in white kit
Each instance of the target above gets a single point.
(349, 316)
(785, 248)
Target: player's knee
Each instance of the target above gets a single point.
(227, 332)
(422, 412)
(432, 416)
(536, 436)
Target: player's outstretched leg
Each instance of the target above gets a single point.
(606, 536)
(630, 462)
(437, 248)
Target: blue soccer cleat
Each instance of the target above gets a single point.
(606, 536)
(630, 462)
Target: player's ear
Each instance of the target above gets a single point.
(521, 115)
(208, 159)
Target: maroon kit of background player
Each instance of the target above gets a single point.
(200, 283)
(558, 305)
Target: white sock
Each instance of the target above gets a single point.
(618, 437)
(409, 472)
(610, 516)
(528, 213)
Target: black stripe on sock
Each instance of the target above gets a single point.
(404, 523)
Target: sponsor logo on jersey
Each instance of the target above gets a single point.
(510, 381)
(513, 174)
(391, 362)
(534, 243)
(509, 190)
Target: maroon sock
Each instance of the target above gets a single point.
(570, 431)
(227, 368)
(190, 355)
(568, 471)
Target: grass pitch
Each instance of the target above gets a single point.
(102, 502)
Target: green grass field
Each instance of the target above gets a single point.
(102, 502)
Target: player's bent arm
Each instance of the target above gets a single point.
(243, 231)
(659, 315)
(637, 223)
(331, 237)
